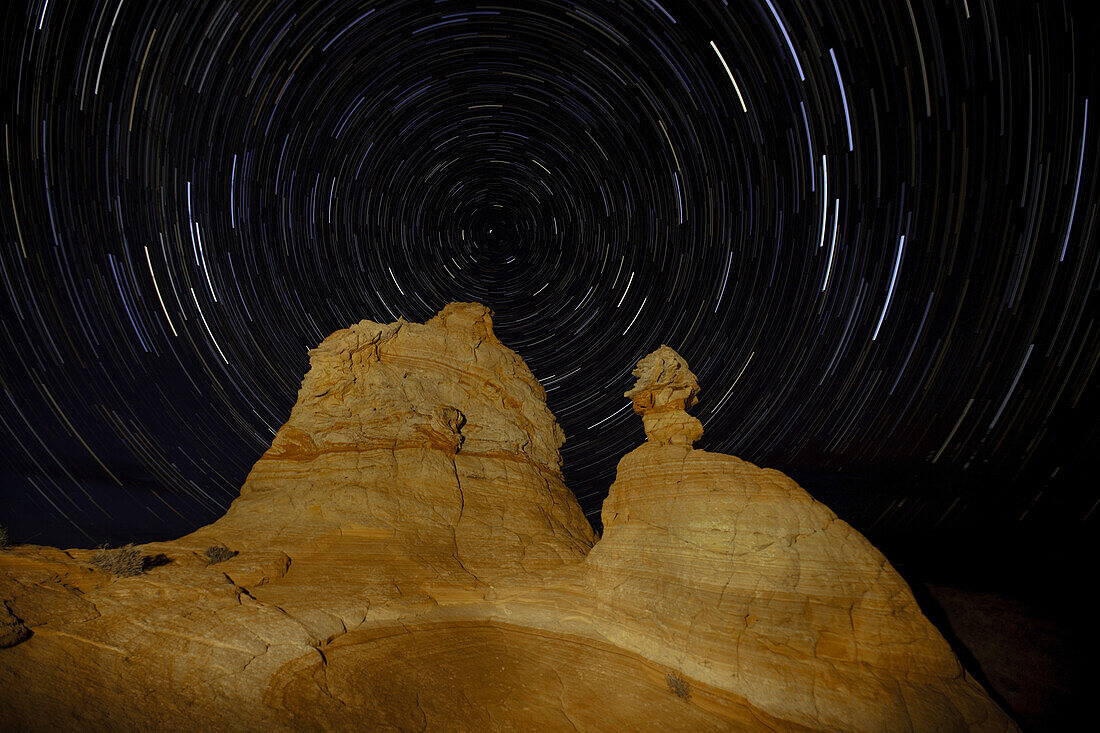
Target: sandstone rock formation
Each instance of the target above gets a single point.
(665, 389)
(409, 558)
(761, 589)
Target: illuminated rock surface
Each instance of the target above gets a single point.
(409, 557)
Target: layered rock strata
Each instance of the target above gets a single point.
(738, 576)
(409, 558)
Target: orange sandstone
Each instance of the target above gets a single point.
(409, 558)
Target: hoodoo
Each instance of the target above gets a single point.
(740, 578)
(665, 390)
(408, 558)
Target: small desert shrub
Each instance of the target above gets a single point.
(678, 686)
(123, 561)
(218, 553)
(4, 542)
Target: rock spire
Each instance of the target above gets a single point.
(665, 389)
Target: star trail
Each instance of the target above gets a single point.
(869, 226)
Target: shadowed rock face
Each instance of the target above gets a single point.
(409, 557)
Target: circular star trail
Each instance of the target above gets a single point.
(870, 228)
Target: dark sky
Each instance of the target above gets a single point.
(870, 226)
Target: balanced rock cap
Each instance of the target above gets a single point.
(665, 389)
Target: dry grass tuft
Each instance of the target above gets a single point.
(678, 686)
(218, 553)
(124, 561)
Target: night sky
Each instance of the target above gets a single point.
(870, 226)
